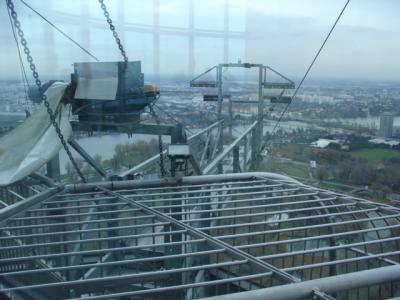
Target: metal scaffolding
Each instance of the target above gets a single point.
(248, 234)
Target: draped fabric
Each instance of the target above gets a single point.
(33, 143)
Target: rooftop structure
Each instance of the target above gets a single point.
(243, 235)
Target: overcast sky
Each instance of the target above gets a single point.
(284, 34)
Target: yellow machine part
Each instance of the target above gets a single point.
(149, 88)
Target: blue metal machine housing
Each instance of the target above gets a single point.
(110, 92)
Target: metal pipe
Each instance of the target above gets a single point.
(185, 192)
(216, 243)
(174, 187)
(52, 208)
(236, 209)
(342, 261)
(291, 229)
(225, 152)
(97, 213)
(323, 249)
(203, 179)
(178, 287)
(329, 285)
(48, 225)
(282, 221)
(86, 156)
(102, 229)
(15, 209)
(212, 126)
(189, 221)
(97, 251)
(247, 215)
(113, 263)
(141, 276)
(242, 201)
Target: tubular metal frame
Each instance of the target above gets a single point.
(196, 237)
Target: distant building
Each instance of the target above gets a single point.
(324, 143)
(313, 164)
(386, 125)
(390, 142)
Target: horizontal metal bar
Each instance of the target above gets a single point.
(114, 263)
(142, 225)
(329, 285)
(276, 212)
(143, 275)
(71, 223)
(220, 195)
(97, 251)
(386, 260)
(167, 233)
(323, 249)
(239, 208)
(393, 209)
(195, 192)
(152, 192)
(168, 182)
(226, 206)
(248, 224)
(76, 215)
(235, 201)
(307, 227)
(178, 287)
(127, 186)
(77, 207)
(309, 238)
(211, 240)
(241, 65)
(102, 229)
(190, 192)
(133, 194)
(80, 241)
(341, 261)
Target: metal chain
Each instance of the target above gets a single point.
(160, 147)
(35, 74)
(112, 28)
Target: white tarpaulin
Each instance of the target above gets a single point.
(33, 143)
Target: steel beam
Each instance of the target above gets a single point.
(15, 209)
(226, 151)
(211, 240)
(305, 289)
(154, 158)
(86, 156)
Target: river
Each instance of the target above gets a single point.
(104, 145)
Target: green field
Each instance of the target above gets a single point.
(293, 170)
(376, 155)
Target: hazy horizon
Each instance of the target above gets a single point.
(171, 41)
